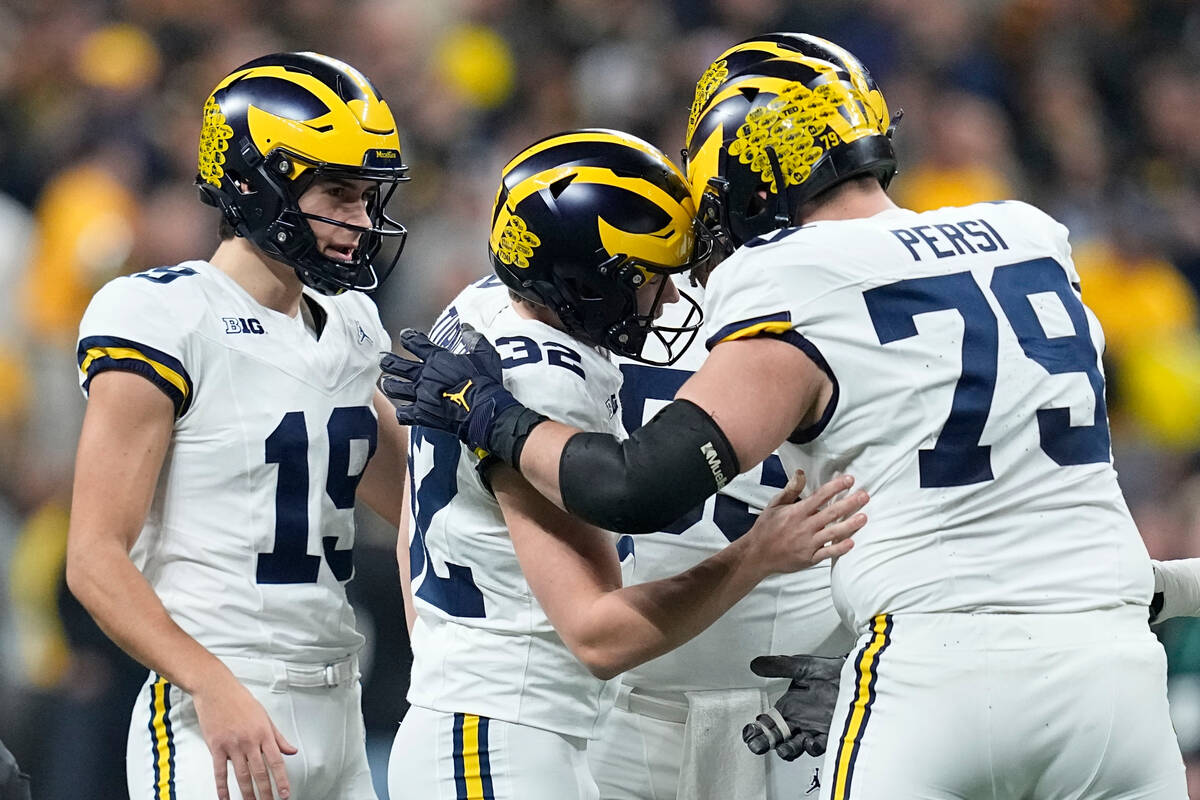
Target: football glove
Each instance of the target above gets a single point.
(462, 394)
(800, 719)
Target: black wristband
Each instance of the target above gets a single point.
(510, 430)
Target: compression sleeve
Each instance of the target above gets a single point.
(666, 468)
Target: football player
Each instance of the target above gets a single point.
(231, 420)
(674, 730)
(1001, 590)
(521, 614)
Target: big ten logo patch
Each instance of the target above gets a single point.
(242, 325)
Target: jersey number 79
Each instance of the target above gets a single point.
(957, 458)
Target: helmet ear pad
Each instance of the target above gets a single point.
(267, 197)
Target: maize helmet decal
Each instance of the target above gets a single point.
(782, 131)
(740, 58)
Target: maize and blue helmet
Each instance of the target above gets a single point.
(272, 127)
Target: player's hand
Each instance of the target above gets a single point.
(793, 533)
(800, 719)
(237, 729)
(457, 393)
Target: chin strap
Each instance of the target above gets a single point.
(783, 215)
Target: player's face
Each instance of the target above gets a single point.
(343, 200)
(648, 293)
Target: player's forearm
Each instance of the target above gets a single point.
(1177, 589)
(403, 560)
(126, 608)
(380, 489)
(541, 457)
(637, 623)
(384, 476)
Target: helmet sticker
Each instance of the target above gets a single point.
(712, 78)
(791, 124)
(516, 243)
(214, 141)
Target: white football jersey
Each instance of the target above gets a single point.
(783, 614)
(248, 539)
(482, 644)
(969, 402)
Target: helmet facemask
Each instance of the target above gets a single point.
(290, 238)
(628, 336)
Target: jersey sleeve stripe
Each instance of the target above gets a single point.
(768, 323)
(866, 673)
(162, 740)
(98, 354)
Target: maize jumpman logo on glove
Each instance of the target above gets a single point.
(462, 394)
(800, 719)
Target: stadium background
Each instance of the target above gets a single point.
(1083, 107)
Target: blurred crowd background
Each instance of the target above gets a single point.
(1086, 108)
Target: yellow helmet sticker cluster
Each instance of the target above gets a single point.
(214, 141)
(713, 77)
(800, 124)
(516, 243)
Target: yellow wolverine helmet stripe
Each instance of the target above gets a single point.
(671, 244)
(799, 123)
(718, 72)
(589, 137)
(343, 135)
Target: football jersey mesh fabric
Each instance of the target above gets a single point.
(1037, 536)
(253, 512)
(481, 644)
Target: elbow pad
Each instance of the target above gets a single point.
(666, 468)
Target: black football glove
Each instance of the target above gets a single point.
(461, 394)
(799, 721)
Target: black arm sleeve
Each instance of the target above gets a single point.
(666, 468)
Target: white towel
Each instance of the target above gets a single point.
(717, 765)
